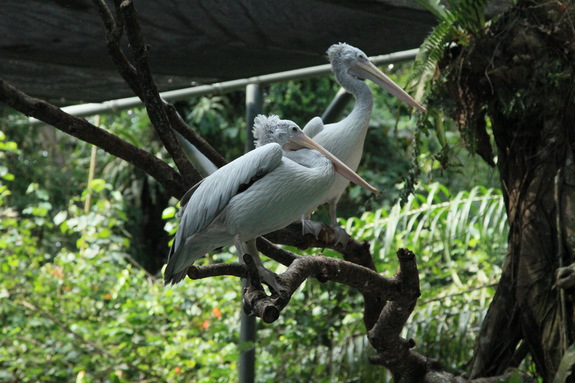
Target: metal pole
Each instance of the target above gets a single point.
(248, 329)
(254, 103)
(223, 87)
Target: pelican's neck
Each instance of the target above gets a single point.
(308, 158)
(363, 107)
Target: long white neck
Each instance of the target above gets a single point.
(361, 113)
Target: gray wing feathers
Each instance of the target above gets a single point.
(215, 192)
(209, 198)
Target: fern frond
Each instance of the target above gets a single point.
(432, 50)
(469, 15)
(462, 18)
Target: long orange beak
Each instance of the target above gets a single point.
(338, 166)
(369, 71)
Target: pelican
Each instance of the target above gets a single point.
(345, 138)
(262, 191)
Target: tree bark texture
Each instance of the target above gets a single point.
(520, 74)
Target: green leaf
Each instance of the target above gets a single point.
(98, 185)
(169, 212)
(60, 217)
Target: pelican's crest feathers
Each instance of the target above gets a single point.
(263, 129)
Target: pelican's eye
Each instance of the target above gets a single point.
(293, 129)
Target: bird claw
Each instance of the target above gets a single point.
(341, 236)
(311, 227)
(271, 279)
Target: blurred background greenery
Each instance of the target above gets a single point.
(82, 299)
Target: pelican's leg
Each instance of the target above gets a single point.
(340, 234)
(266, 275)
(310, 227)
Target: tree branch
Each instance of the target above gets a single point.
(83, 130)
(393, 351)
(114, 29)
(194, 138)
(151, 97)
(354, 251)
(367, 281)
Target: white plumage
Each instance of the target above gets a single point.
(345, 139)
(260, 192)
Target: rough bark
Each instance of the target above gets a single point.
(521, 75)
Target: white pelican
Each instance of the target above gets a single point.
(260, 192)
(345, 138)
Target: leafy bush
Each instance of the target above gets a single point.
(460, 243)
(88, 313)
(75, 305)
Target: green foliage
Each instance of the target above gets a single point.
(85, 313)
(302, 100)
(457, 22)
(460, 242)
(84, 310)
(219, 120)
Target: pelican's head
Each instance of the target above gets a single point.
(286, 133)
(346, 56)
(347, 60)
(271, 128)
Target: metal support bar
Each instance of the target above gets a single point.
(254, 106)
(223, 87)
(248, 329)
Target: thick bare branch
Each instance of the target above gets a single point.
(114, 29)
(194, 138)
(276, 253)
(354, 251)
(217, 269)
(151, 97)
(367, 281)
(83, 130)
(395, 352)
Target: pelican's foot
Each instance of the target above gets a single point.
(341, 236)
(311, 227)
(271, 279)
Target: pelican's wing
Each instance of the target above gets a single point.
(186, 197)
(209, 198)
(313, 127)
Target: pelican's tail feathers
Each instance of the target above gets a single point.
(181, 259)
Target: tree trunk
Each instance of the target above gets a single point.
(521, 75)
(536, 174)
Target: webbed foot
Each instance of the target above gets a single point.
(341, 236)
(311, 227)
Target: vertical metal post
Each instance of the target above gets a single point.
(247, 362)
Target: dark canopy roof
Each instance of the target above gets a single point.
(56, 48)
